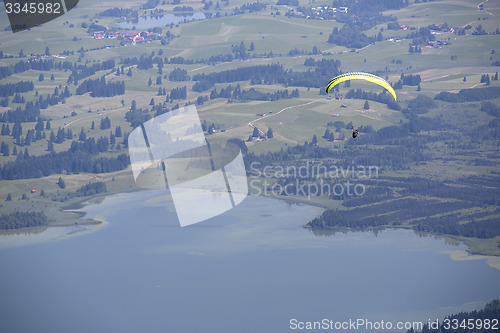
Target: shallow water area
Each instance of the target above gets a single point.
(252, 269)
(23, 237)
(149, 22)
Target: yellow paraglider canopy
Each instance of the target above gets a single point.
(361, 76)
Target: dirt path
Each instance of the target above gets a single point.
(100, 114)
(484, 11)
(197, 69)
(275, 114)
(482, 3)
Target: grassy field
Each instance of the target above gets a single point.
(278, 34)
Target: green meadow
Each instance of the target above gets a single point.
(269, 33)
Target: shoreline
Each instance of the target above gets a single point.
(475, 246)
(75, 205)
(64, 215)
(71, 211)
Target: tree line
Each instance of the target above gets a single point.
(270, 74)
(29, 114)
(490, 109)
(101, 88)
(382, 97)
(63, 162)
(381, 209)
(89, 189)
(421, 36)
(31, 111)
(119, 12)
(10, 89)
(17, 220)
(179, 74)
(138, 116)
(236, 93)
(388, 213)
(23, 66)
(351, 36)
(90, 145)
(251, 7)
(410, 79)
(490, 312)
(79, 72)
(260, 72)
(469, 95)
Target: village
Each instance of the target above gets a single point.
(127, 36)
(319, 13)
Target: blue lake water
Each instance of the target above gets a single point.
(249, 270)
(150, 22)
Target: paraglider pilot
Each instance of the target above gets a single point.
(354, 132)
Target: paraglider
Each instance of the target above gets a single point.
(361, 76)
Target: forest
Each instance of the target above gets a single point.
(10, 89)
(101, 88)
(469, 95)
(17, 220)
(477, 321)
(236, 93)
(58, 163)
(323, 71)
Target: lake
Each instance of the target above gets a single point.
(150, 22)
(250, 270)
